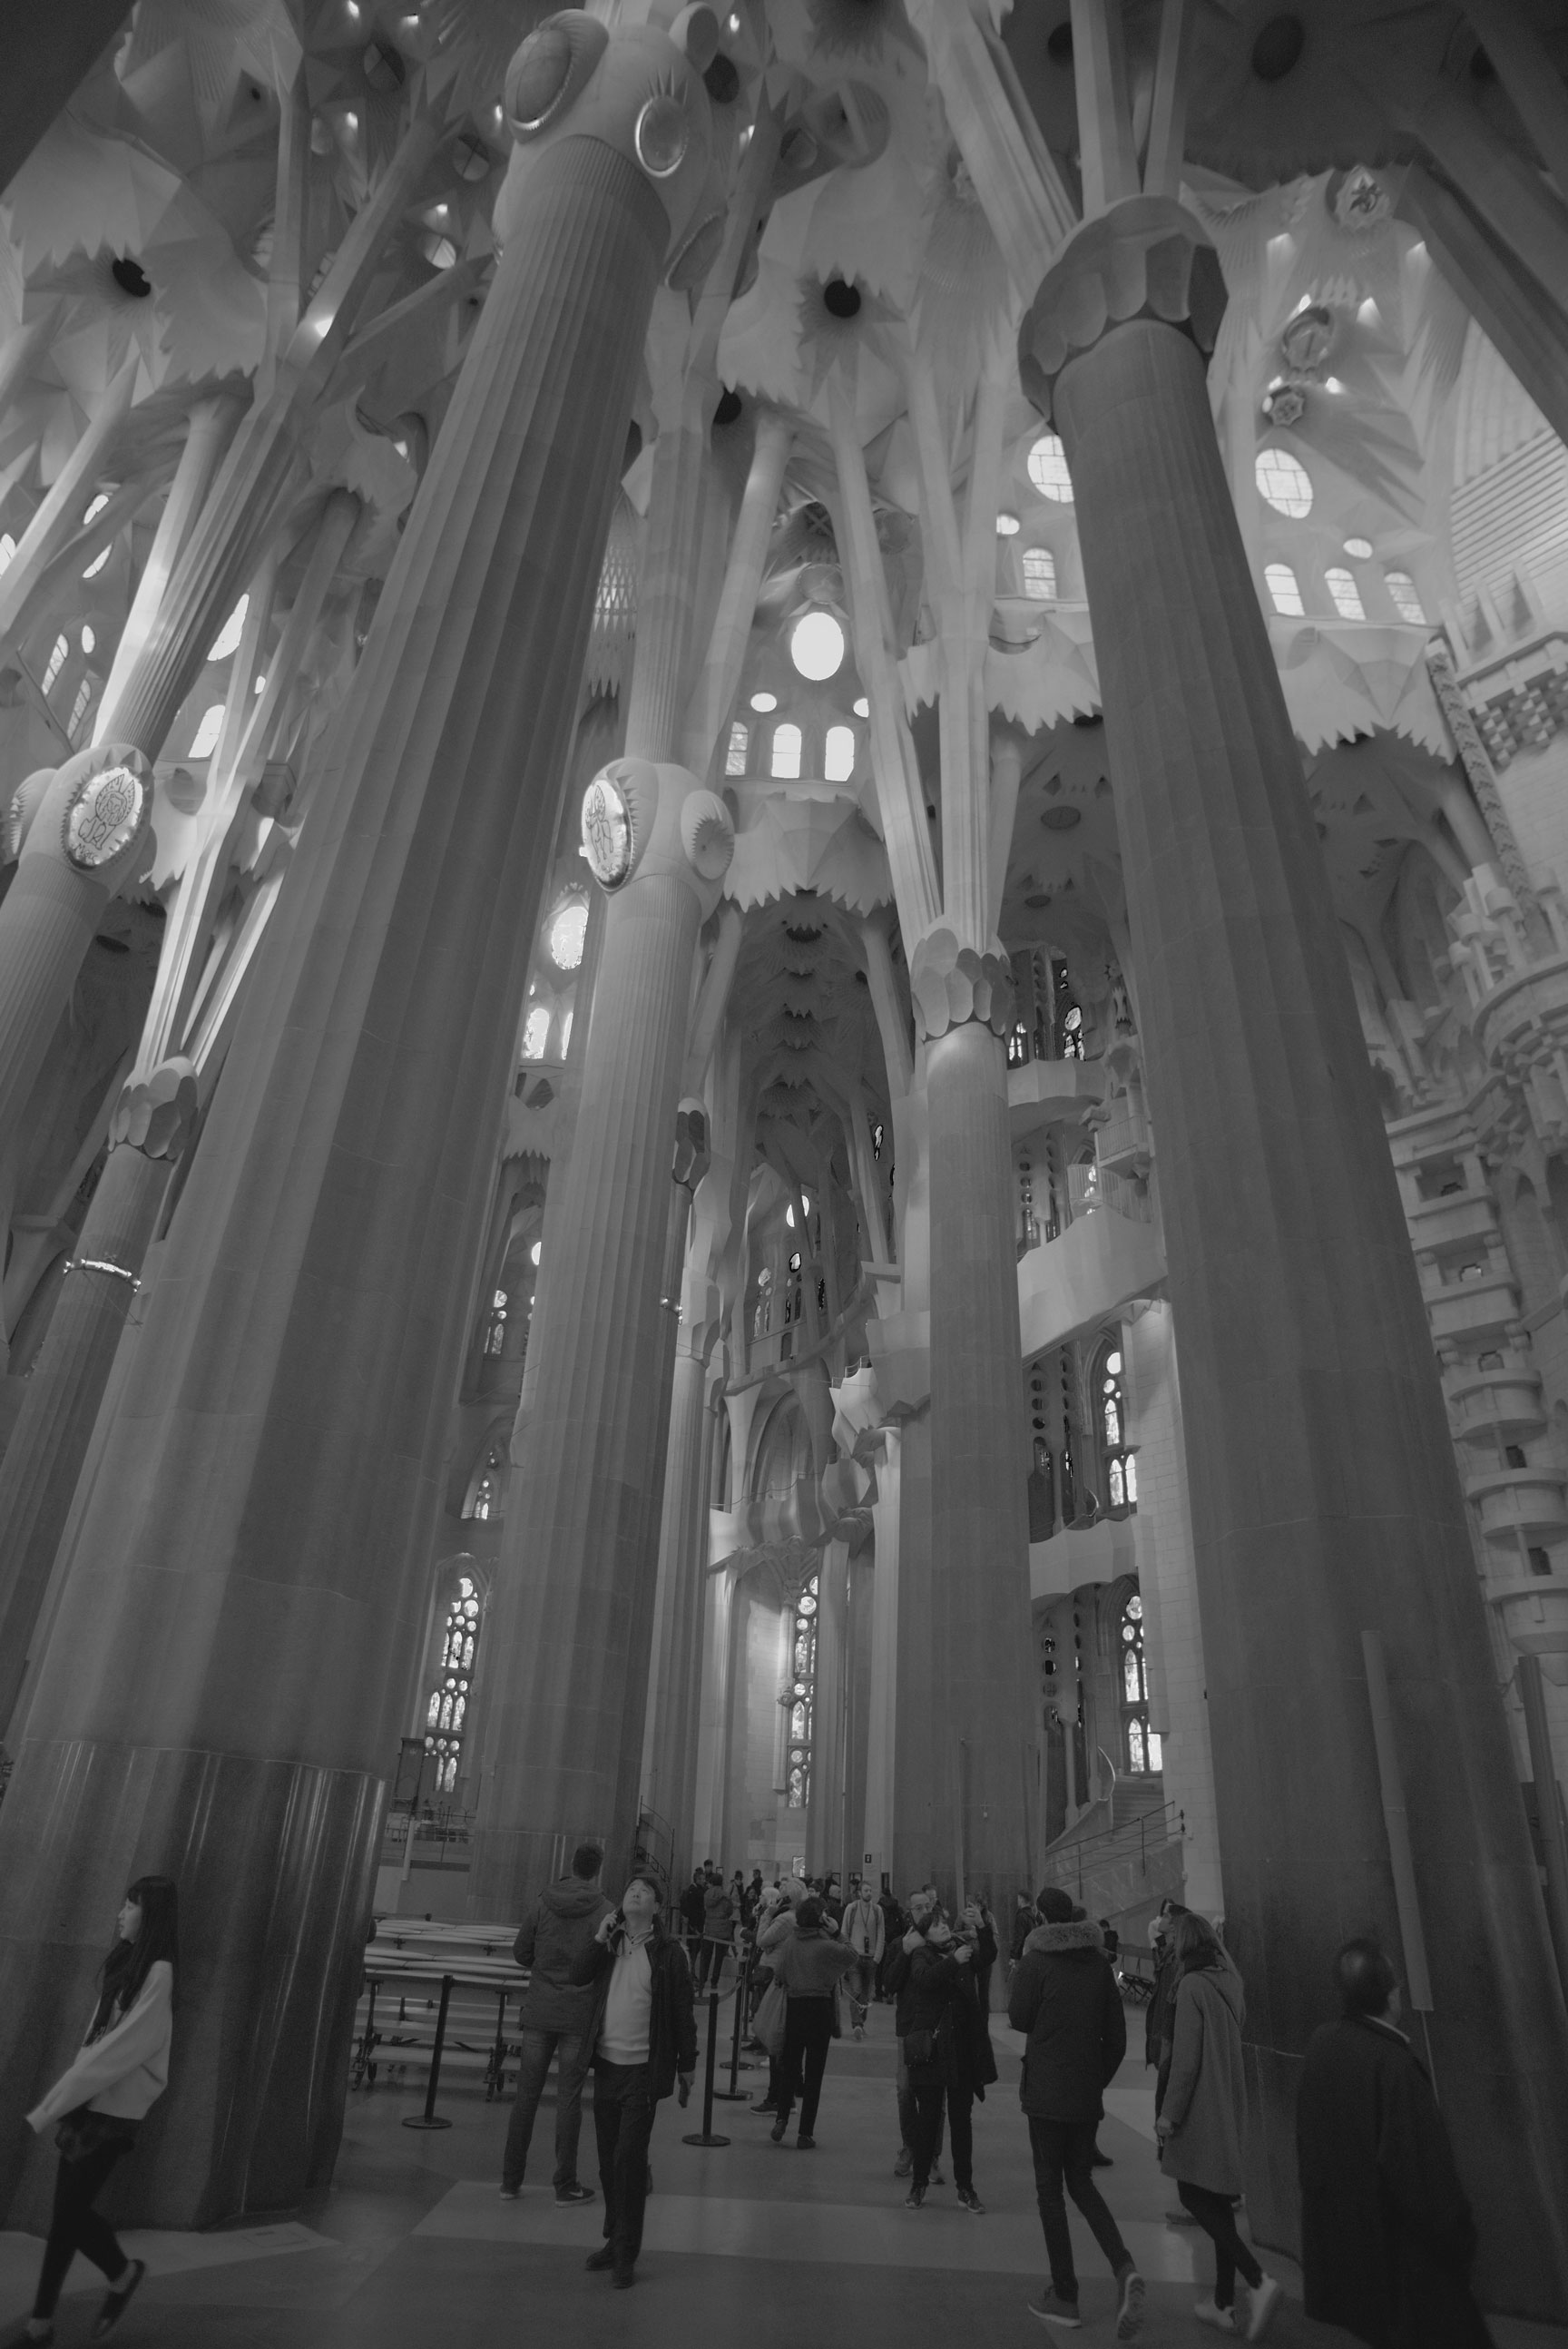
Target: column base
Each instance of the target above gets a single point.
(276, 1859)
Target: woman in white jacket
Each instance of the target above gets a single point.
(121, 2072)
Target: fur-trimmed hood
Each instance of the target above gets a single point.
(1057, 1940)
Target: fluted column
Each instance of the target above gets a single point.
(1325, 1502)
(243, 1584)
(675, 1670)
(979, 1478)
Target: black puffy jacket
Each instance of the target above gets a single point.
(1065, 1999)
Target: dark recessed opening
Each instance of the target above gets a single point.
(1481, 68)
(1059, 44)
(1278, 47)
(130, 277)
(633, 446)
(1089, 717)
(728, 408)
(721, 81)
(112, 946)
(840, 300)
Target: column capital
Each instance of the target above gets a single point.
(156, 1113)
(1147, 257)
(952, 984)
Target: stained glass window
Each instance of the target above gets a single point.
(205, 739)
(735, 757)
(1142, 1744)
(448, 1703)
(1285, 590)
(1048, 469)
(227, 639)
(1341, 586)
(495, 1332)
(1039, 574)
(1284, 482)
(536, 1034)
(1407, 601)
(838, 754)
(1121, 1468)
(56, 663)
(486, 1492)
(799, 1697)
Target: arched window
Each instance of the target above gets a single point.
(1118, 1466)
(536, 1034)
(79, 707)
(448, 1703)
(838, 754)
(735, 757)
(1407, 601)
(54, 664)
(800, 1698)
(786, 761)
(7, 550)
(1341, 586)
(1284, 589)
(762, 1321)
(495, 1328)
(484, 1493)
(1067, 1014)
(1141, 1745)
(1039, 574)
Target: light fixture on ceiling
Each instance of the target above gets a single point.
(816, 645)
(763, 702)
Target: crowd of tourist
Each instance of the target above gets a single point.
(1388, 2241)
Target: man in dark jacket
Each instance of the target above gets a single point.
(1386, 2236)
(691, 1907)
(643, 2035)
(554, 2019)
(1064, 2000)
(717, 1929)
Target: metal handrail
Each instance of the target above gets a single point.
(1118, 1843)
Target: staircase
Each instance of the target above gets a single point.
(1139, 1856)
(1135, 1797)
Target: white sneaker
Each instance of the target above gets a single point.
(1209, 2311)
(1264, 2300)
(860, 2031)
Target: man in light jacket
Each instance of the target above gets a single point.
(554, 2021)
(717, 1931)
(865, 1932)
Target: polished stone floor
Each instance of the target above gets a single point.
(413, 2248)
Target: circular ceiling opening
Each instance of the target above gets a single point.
(1278, 47)
(1062, 819)
(1059, 44)
(721, 81)
(840, 300)
(130, 277)
(728, 409)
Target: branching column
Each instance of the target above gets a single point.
(1324, 1497)
(243, 1584)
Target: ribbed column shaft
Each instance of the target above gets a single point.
(674, 1677)
(981, 1729)
(51, 911)
(38, 1472)
(1325, 1500)
(243, 1580)
(573, 1614)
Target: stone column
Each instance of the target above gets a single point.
(825, 1814)
(981, 1730)
(1326, 1500)
(256, 1515)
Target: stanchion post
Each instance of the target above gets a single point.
(426, 2119)
(705, 2135)
(732, 2094)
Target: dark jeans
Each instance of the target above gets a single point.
(535, 2050)
(1062, 2151)
(710, 1960)
(1216, 2214)
(859, 1984)
(807, 2035)
(907, 2123)
(74, 2225)
(624, 2112)
(926, 2143)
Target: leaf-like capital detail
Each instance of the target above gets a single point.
(1147, 257)
(952, 984)
(157, 1114)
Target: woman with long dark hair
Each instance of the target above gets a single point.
(121, 2072)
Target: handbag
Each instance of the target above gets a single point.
(768, 2026)
(84, 2131)
(919, 2048)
